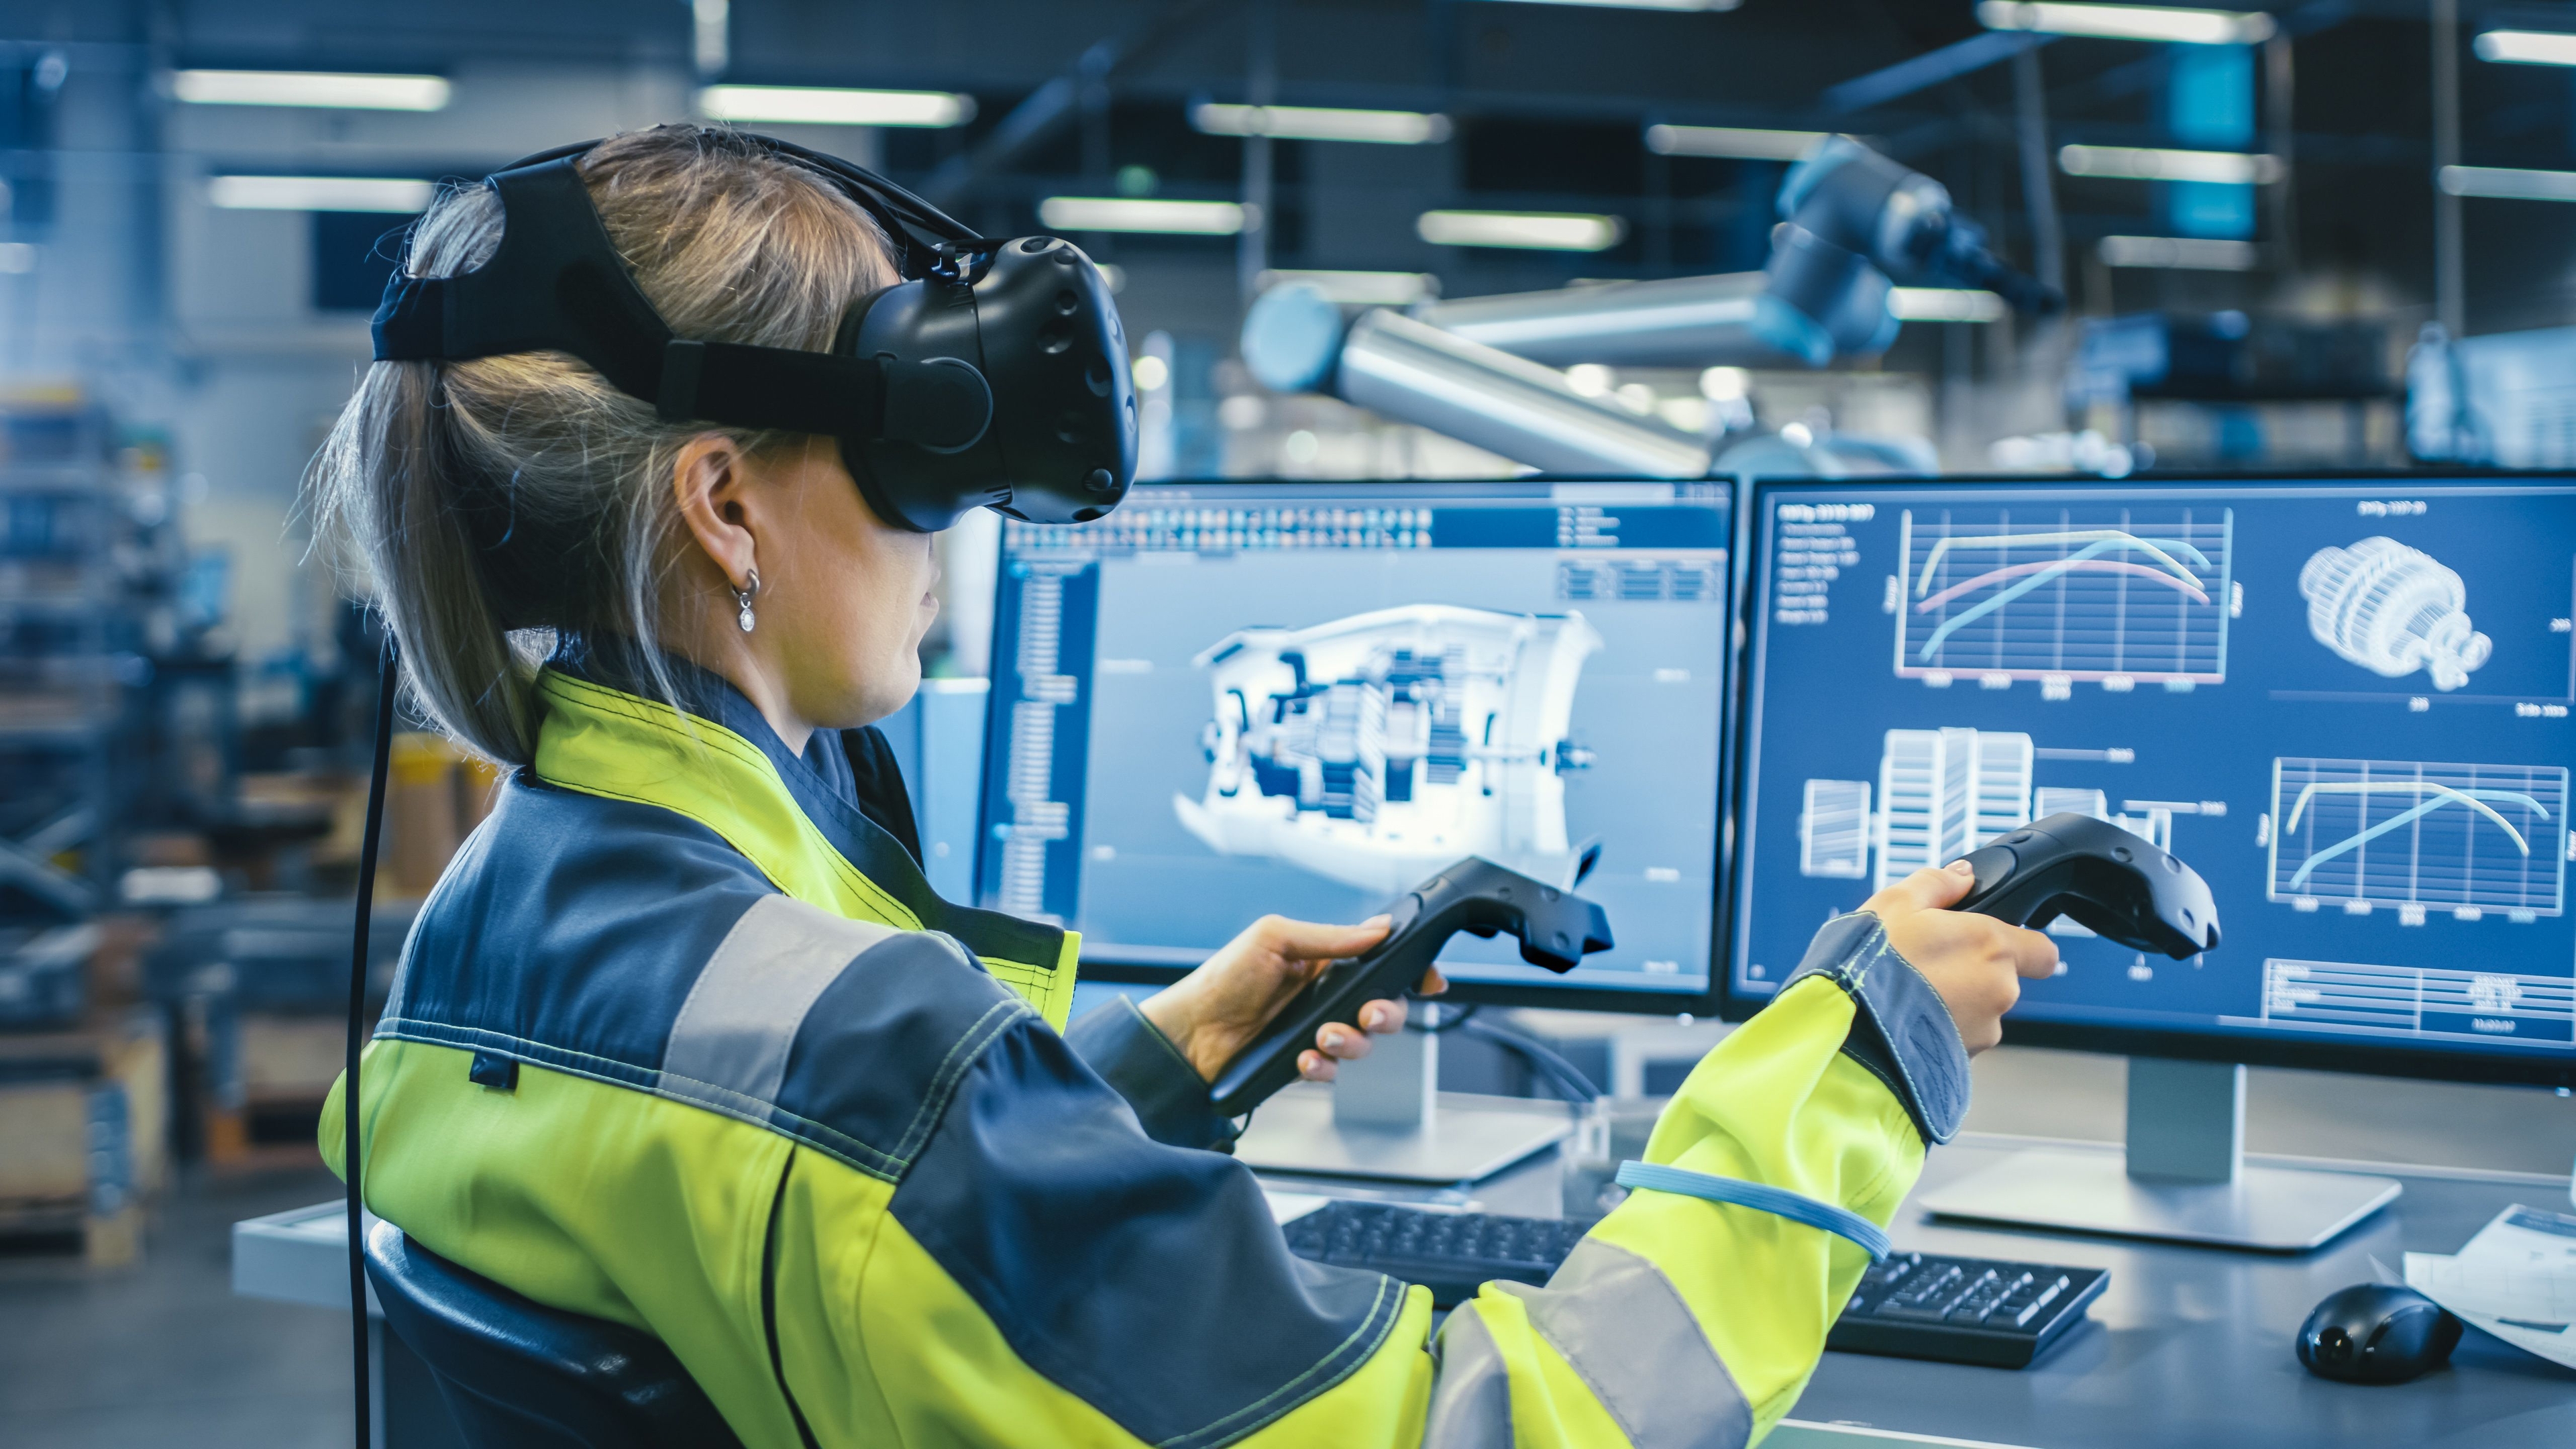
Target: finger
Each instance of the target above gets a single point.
(2034, 955)
(1433, 983)
(1306, 940)
(1382, 1017)
(1315, 1066)
(1340, 1041)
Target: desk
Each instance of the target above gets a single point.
(2191, 1346)
(2188, 1346)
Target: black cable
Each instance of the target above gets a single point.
(357, 1029)
(1442, 1017)
(1565, 1076)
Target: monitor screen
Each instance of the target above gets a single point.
(2343, 701)
(1227, 699)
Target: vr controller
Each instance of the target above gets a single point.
(2099, 876)
(1556, 929)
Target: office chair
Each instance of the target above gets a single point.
(519, 1375)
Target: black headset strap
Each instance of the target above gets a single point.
(557, 282)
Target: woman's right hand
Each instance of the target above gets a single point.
(1976, 962)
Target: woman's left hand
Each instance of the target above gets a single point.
(1214, 1012)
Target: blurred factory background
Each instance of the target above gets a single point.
(2332, 233)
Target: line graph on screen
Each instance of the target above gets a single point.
(2364, 834)
(2125, 596)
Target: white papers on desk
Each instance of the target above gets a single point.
(1287, 1207)
(2516, 1279)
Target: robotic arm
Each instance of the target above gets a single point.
(1853, 224)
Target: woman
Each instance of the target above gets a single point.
(683, 1039)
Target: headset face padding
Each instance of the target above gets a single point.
(1016, 396)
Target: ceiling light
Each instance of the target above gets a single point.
(1731, 141)
(1644, 4)
(310, 88)
(1364, 289)
(2184, 253)
(831, 106)
(320, 193)
(1138, 213)
(1944, 304)
(1315, 123)
(1551, 231)
(2509, 182)
(2156, 163)
(2527, 47)
(2131, 22)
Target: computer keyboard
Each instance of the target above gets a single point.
(1964, 1310)
(1913, 1305)
(1450, 1253)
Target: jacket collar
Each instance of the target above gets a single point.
(717, 761)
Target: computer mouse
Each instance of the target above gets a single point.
(2376, 1333)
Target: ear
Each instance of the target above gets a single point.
(711, 482)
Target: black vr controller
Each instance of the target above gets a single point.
(1556, 929)
(2099, 876)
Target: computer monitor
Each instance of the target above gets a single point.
(2344, 700)
(1232, 698)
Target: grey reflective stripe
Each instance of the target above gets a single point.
(1622, 1325)
(741, 1017)
(1471, 1401)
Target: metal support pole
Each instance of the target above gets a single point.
(2039, 190)
(2450, 278)
(2279, 90)
(1260, 88)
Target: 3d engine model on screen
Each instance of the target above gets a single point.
(1481, 369)
(2393, 610)
(1374, 749)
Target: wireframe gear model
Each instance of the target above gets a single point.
(1375, 749)
(2393, 610)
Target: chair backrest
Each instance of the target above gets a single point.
(519, 1375)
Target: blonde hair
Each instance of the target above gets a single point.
(500, 503)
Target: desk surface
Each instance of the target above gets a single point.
(2188, 1346)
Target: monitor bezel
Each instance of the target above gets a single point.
(1692, 1003)
(2384, 1059)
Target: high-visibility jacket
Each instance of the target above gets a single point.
(683, 1040)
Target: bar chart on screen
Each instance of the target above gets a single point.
(2120, 597)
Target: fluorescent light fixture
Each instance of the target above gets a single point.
(1731, 141)
(2157, 163)
(1142, 213)
(2527, 47)
(310, 88)
(1644, 4)
(320, 193)
(1316, 123)
(2183, 253)
(2131, 22)
(17, 256)
(2509, 182)
(831, 106)
(1546, 231)
(1944, 304)
(1362, 289)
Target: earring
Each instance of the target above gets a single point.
(743, 596)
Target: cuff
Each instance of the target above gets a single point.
(1901, 1030)
(1168, 1094)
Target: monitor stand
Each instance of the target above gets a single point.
(2184, 1177)
(1383, 1117)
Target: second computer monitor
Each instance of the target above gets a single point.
(1228, 699)
(2345, 701)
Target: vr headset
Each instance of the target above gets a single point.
(993, 376)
